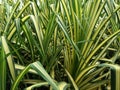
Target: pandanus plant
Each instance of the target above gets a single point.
(67, 44)
(91, 35)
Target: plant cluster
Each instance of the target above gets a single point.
(60, 44)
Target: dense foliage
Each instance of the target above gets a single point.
(59, 44)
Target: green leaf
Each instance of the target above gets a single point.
(3, 73)
(9, 58)
(37, 66)
(17, 81)
(36, 85)
(115, 75)
(10, 18)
